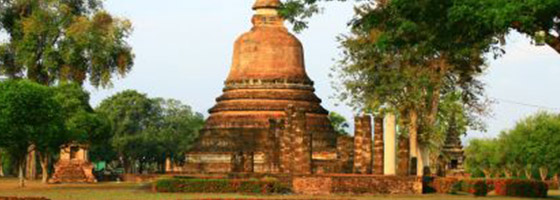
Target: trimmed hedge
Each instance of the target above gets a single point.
(521, 188)
(220, 186)
(476, 187)
(445, 185)
(553, 185)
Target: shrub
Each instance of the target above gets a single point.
(521, 188)
(476, 187)
(219, 186)
(445, 185)
(553, 185)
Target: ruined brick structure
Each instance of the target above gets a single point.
(378, 152)
(345, 149)
(73, 165)
(244, 132)
(363, 145)
(403, 156)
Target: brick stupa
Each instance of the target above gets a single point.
(267, 80)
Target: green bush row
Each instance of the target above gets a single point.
(521, 188)
(220, 186)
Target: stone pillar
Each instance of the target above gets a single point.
(378, 154)
(404, 157)
(362, 145)
(296, 127)
(390, 145)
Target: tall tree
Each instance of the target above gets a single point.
(146, 130)
(29, 115)
(130, 115)
(82, 125)
(74, 40)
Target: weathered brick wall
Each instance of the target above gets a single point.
(345, 145)
(362, 145)
(377, 185)
(302, 160)
(378, 148)
(356, 184)
(312, 185)
(403, 156)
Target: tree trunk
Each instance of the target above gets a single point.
(508, 173)
(44, 159)
(544, 173)
(555, 178)
(21, 174)
(529, 174)
(31, 167)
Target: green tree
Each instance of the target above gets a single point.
(74, 40)
(339, 123)
(147, 131)
(82, 124)
(482, 156)
(29, 115)
(130, 115)
(534, 144)
(178, 129)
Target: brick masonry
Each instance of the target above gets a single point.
(362, 145)
(403, 156)
(356, 184)
(378, 154)
(345, 146)
(300, 141)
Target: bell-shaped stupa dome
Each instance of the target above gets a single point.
(268, 52)
(266, 77)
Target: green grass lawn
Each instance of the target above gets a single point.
(131, 191)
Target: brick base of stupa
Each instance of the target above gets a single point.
(73, 172)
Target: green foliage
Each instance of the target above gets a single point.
(530, 145)
(220, 186)
(482, 155)
(476, 187)
(82, 124)
(66, 40)
(29, 114)
(149, 130)
(339, 123)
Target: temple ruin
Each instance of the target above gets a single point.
(269, 120)
(73, 165)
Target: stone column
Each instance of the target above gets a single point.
(390, 144)
(362, 145)
(404, 157)
(378, 159)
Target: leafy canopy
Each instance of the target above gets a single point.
(64, 40)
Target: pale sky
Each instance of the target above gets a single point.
(184, 49)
